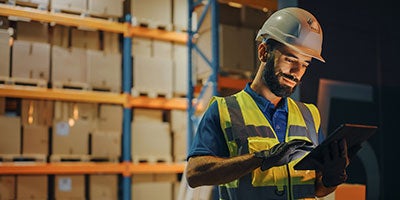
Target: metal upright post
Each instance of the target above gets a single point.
(127, 118)
(190, 109)
(213, 64)
(214, 45)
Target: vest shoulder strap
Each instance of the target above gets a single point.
(235, 113)
(309, 120)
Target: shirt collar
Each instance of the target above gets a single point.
(263, 103)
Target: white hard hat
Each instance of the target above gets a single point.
(296, 28)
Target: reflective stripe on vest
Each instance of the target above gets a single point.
(247, 131)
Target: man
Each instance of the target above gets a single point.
(249, 142)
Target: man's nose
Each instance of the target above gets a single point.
(295, 68)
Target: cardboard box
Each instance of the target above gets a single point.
(10, 136)
(151, 142)
(151, 178)
(254, 18)
(180, 15)
(106, 8)
(142, 185)
(37, 112)
(103, 187)
(110, 118)
(147, 191)
(31, 60)
(179, 120)
(70, 139)
(106, 144)
(147, 115)
(4, 53)
(85, 39)
(7, 187)
(79, 6)
(73, 110)
(145, 12)
(60, 36)
(111, 42)
(35, 140)
(69, 65)
(32, 187)
(104, 71)
(142, 47)
(2, 105)
(162, 49)
(33, 31)
(230, 57)
(153, 84)
(180, 71)
(69, 187)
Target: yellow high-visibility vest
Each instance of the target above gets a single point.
(246, 130)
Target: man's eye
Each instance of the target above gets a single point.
(290, 60)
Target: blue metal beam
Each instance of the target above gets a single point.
(214, 63)
(127, 118)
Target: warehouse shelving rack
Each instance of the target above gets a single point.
(125, 167)
(215, 81)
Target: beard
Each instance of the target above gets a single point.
(271, 77)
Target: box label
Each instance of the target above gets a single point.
(65, 184)
(62, 128)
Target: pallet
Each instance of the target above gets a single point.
(84, 14)
(112, 159)
(23, 82)
(151, 159)
(182, 29)
(152, 24)
(29, 4)
(70, 85)
(180, 94)
(180, 158)
(69, 158)
(105, 17)
(151, 94)
(4, 80)
(23, 158)
(105, 89)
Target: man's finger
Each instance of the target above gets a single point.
(343, 151)
(343, 148)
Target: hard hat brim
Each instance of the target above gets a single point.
(302, 50)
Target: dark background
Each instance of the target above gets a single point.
(360, 45)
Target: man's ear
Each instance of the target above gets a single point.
(262, 52)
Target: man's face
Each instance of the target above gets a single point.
(284, 69)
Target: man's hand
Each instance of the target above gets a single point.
(333, 166)
(283, 153)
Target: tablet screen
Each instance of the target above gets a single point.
(355, 135)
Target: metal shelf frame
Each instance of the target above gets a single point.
(214, 80)
(126, 167)
(127, 112)
(213, 63)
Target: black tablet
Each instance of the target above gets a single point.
(355, 135)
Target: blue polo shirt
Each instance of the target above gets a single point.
(209, 138)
